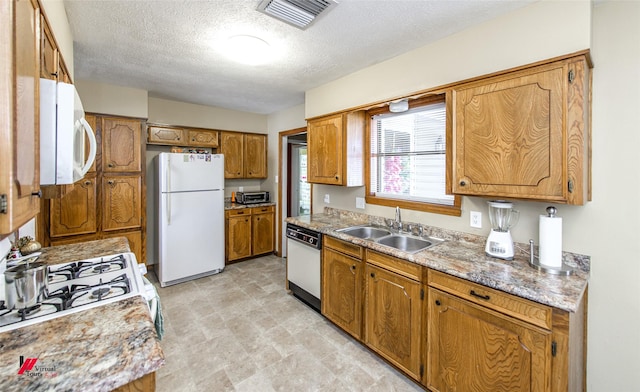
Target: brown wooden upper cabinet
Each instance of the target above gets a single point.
(19, 117)
(166, 135)
(203, 138)
(116, 133)
(245, 154)
(524, 134)
(335, 148)
(182, 136)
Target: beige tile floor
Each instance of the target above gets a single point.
(240, 331)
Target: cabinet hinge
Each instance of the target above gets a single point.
(421, 293)
(570, 186)
(4, 206)
(421, 370)
(572, 76)
(554, 349)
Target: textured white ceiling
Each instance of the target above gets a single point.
(171, 48)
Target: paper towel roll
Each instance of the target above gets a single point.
(551, 241)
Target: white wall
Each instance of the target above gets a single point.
(110, 99)
(607, 228)
(180, 113)
(543, 30)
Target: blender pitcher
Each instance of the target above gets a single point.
(502, 217)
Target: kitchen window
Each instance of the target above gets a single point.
(407, 158)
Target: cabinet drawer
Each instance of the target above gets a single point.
(508, 304)
(343, 246)
(393, 264)
(262, 210)
(239, 211)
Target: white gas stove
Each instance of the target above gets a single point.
(80, 285)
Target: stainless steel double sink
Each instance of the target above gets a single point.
(380, 235)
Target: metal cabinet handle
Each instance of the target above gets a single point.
(373, 275)
(110, 182)
(353, 267)
(111, 165)
(87, 182)
(463, 183)
(485, 297)
(37, 194)
(438, 302)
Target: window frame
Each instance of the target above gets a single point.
(371, 198)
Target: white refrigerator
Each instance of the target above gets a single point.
(190, 216)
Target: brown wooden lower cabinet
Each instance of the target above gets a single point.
(450, 334)
(342, 274)
(393, 316)
(249, 232)
(146, 383)
(471, 348)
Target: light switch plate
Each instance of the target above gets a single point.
(240, 189)
(475, 219)
(360, 202)
(327, 198)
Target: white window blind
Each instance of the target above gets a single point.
(408, 155)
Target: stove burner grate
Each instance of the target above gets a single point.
(26, 312)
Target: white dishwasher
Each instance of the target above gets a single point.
(303, 264)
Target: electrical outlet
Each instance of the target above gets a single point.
(360, 202)
(475, 219)
(327, 198)
(240, 189)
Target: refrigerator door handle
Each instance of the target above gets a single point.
(168, 173)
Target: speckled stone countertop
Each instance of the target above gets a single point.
(237, 206)
(462, 255)
(97, 349)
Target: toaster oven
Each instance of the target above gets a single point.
(252, 197)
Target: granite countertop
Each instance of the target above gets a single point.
(237, 206)
(462, 255)
(86, 350)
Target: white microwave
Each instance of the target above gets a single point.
(62, 135)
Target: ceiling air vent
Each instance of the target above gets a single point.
(298, 13)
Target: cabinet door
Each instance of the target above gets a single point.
(121, 148)
(164, 135)
(232, 146)
(393, 318)
(255, 156)
(325, 151)
(262, 230)
(19, 114)
(203, 138)
(475, 349)
(510, 136)
(342, 290)
(239, 237)
(121, 204)
(135, 243)
(48, 52)
(76, 212)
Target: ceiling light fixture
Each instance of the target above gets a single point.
(399, 106)
(247, 49)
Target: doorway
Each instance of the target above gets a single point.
(294, 193)
(298, 189)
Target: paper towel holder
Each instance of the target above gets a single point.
(535, 263)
